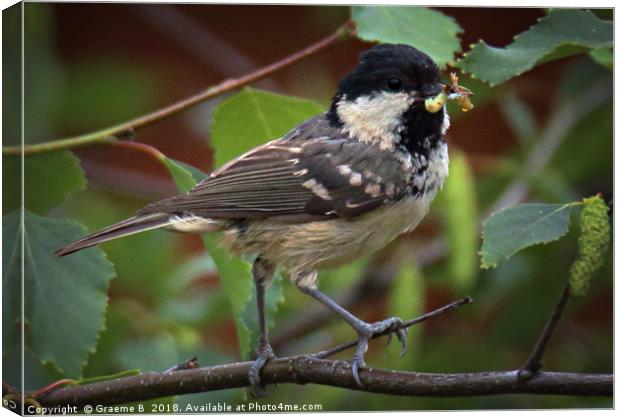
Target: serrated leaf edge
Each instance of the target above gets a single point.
(485, 265)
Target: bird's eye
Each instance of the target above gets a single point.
(394, 84)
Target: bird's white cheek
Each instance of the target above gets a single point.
(375, 119)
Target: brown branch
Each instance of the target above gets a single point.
(317, 370)
(311, 370)
(110, 133)
(533, 364)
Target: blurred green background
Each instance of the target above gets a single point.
(92, 65)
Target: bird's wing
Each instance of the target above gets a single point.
(296, 180)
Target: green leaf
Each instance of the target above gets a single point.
(12, 258)
(49, 178)
(236, 281)
(253, 117)
(513, 229)
(428, 30)
(197, 174)
(121, 325)
(592, 244)
(458, 204)
(181, 176)
(36, 374)
(244, 121)
(604, 56)
(561, 33)
(66, 298)
(235, 273)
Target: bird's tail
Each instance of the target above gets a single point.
(127, 227)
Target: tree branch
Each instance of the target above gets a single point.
(108, 134)
(308, 369)
(304, 369)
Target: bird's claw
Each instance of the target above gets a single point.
(358, 359)
(401, 334)
(264, 355)
(366, 332)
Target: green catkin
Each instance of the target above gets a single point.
(592, 244)
(459, 197)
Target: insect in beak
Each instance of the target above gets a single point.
(453, 91)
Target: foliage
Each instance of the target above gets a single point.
(559, 34)
(66, 298)
(252, 117)
(513, 229)
(54, 176)
(604, 56)
(516, 228)
(244, 121)
(430, 31)
(167, 305)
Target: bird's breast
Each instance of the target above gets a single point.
(329, 243)
(430, 170)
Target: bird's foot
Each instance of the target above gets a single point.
(366, 331)
(264, 354)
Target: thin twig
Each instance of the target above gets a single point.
(309, 369)
(108, 134)
(432, 314)
(51, 387)
(533, 364)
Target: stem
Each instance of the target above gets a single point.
(108, 134)
(51, 387)
(533, 364)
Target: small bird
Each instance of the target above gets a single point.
(336, 187)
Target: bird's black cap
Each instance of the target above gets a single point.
(413, 68)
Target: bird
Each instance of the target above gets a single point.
(336, 187)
